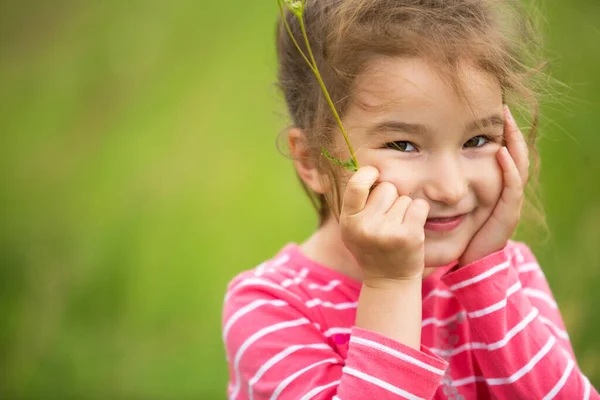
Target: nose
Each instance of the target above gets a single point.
(446, 182)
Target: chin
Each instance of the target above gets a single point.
(438, 254)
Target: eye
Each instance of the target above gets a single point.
(477, 141)
(403, 146)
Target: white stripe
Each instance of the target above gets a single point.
(519, 255)
(254, 338)
(439, 293)
(338, 306)
(539, 294)
(326, 288)
(480, 277)
(296, 280)
(528, 267)
(318, 390)
(515, 330)
(458, 350)
(246, 309)
(281, 260)
(559, 385)
(336, 398)
(443, 322)
(492, 346)
(282, 269)
(334, 331)
(380, 383)
(397, 354)
(278, 357)
(587, 389)
(290, 378)
(495, 307)
(258, 282)
(466, 381)
(559, 332)
(528, 367)
(260, 269)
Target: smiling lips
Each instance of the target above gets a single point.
(444, 224)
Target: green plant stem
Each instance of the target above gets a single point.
(289, 30)
(322, 84)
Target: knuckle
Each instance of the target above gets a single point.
(369, 169)
(421, 204)
(388, 187)
(519, 185)
(404, 201)
(369, 231)
(363, 174)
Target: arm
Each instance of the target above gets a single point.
(276, 351)
(514, 339)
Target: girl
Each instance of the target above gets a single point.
(410, 287)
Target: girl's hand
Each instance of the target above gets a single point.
(497, 230)
(383, 231)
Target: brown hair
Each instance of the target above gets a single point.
(345, 35)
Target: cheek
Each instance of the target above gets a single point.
(402, 174)
(488, 182)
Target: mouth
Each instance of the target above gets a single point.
(444, 224)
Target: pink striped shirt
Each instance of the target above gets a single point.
(490, 330)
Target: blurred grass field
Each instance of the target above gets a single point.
(140, 174)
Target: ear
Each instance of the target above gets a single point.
(305, 165)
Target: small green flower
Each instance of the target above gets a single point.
(349, 164)
(296, 6)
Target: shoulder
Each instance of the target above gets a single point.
(257, 299)
(266, 280)
(292, 276)
(273, 296)
(291, 285)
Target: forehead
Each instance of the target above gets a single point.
(413, 85)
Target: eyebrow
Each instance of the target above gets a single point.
(418, 129)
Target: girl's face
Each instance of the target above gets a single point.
(432, 143)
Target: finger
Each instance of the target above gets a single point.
(510, 171)
(512, 194)
(398, 209)
(357, 190)
(517, 147)
(416, 214)
(381, 198)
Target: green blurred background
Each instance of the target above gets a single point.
(140, 173)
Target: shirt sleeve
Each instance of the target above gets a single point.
(518, 335)
(275, 350)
